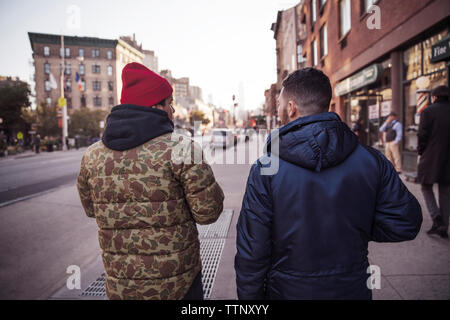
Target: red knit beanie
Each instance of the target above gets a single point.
(143, 87)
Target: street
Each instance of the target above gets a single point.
(25, 175)
(44, 235)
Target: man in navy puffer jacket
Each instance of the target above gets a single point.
(303, 232)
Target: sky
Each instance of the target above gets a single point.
(224, 46)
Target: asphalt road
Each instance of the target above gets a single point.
(27, 175)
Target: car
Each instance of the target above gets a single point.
(222, 138)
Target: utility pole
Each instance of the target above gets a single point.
(64, 106)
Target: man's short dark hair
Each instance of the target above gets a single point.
(441, 92)
(310, 88)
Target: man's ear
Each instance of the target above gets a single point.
(291, 109)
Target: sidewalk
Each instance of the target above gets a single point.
(418, 269)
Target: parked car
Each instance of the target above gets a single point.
(222, 138)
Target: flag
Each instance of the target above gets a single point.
(78, 81)
(53, 83)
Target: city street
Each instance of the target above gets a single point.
(44, 235)
(29, 174)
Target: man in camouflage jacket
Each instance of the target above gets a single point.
(147, 191)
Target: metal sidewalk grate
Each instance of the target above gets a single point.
(212, 241)
(96, 289)
(219, 229)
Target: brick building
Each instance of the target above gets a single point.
(377, 70)
(98, 62)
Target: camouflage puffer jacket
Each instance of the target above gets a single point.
(147, 206)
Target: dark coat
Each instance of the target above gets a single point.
(303, 232)
(434, 144)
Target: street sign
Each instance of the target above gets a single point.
(62, 102)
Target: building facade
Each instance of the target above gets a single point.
(93, 59)
(379, 59)
(97, 63)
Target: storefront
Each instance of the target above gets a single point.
(420, 75)
(367, 96)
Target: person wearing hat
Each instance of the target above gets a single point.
(434, 161)
(394, 132)
(147, 193)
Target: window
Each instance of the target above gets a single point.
(95, 53)
(67, 71)
(68, 86)
(97, 101)
(313, 11)
(110, 86)
(95, 68)
(323, 41)
(96, 85)
(82, 69)
(83, 101)
(67, 50)
(47, 68)
(344, 17)
(48, 101)
(83, 85)
(110, 70)
(111, 101)
(46, 51)
(366, 4)
(300, 58)
(81, 52)
(109, 54)
(47, 85)
(314, 50)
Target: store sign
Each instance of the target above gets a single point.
(366, 77)
(386, 107)
(373, 112)
(441, 50)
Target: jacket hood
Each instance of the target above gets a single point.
(129, 126)
(315, 142)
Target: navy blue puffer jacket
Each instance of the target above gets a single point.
(303, 232)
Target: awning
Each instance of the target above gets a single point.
(363, 78)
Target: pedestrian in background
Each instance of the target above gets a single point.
(37, 143)
(434, 162)
(394, 133)
(303, 232)
(146, 197)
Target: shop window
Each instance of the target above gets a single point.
(428, 66)
(412, 62)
